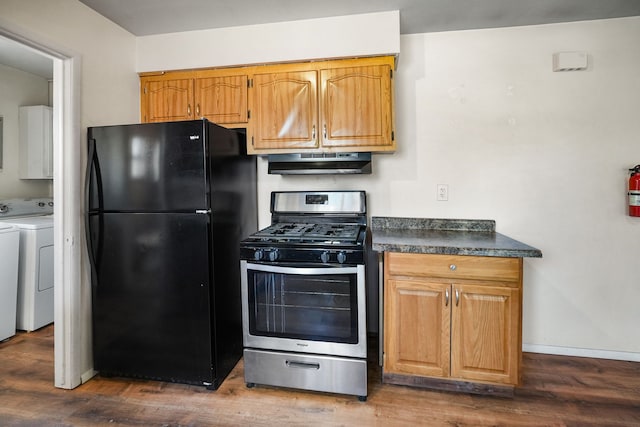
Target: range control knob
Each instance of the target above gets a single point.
(324, 257)
(258, 254)
(274, 255)
(4, 208)
(342, 257)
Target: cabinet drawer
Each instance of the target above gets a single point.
(454, 266)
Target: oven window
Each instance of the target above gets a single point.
(320, 307)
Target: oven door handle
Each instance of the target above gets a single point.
(302, 270)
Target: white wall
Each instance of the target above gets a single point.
(19, 88)
(341, 36)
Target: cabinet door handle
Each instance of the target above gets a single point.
(198, 110)
(324, 131)
(457, 297)
(313, 133)
(188, 109)
(446, 297)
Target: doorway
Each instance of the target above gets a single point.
(72, 358)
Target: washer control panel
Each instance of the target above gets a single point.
(10, 208)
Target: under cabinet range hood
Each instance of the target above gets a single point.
(319, 163)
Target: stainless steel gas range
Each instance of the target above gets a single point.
(303, 294)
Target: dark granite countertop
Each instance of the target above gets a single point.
(445, 236)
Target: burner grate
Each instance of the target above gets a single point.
(311, 232)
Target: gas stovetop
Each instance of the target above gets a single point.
(306, 243)
(311, 227)
(303, 232)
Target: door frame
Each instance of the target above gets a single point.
(72, 317)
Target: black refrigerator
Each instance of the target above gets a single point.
(167, 206)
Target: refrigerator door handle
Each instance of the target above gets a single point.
(91, 161)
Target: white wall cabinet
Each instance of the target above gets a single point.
(36, 142)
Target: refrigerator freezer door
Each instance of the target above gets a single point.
(151, 296)
(149, 168)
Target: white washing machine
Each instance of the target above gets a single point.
(9, 249)
(34, 219)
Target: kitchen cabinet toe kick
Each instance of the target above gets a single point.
(451, 385)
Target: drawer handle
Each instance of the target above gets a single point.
(452, 267)
(293, 364)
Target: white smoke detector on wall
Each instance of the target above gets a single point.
(570, 61)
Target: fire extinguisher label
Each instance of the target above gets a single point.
(634, 198)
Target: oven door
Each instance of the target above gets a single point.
(317, 310)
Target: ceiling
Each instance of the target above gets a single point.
(147, 17)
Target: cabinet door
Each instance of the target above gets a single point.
(284, 110)
(35, 125)
(356, 107)
(417, 322)
(485, 333)
(222, 99)
(167, 100)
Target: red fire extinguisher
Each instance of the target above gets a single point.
(634, 191)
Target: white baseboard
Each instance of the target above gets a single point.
(582, 352)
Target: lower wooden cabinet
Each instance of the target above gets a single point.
(452, 321)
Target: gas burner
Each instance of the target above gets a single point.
(288, 230)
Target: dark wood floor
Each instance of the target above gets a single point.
(557, 391)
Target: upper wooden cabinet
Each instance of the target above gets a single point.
(325, 106)
(165, 100)
(284, 111)
(356, 107)
(222, 99)
(218, 95)
(342, 105)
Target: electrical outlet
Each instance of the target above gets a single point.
(442, 192)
